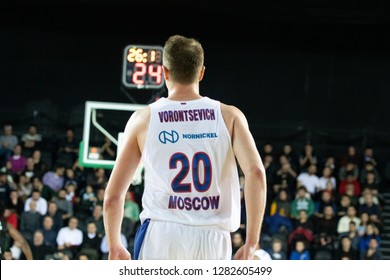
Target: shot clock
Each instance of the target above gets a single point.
(142, 67)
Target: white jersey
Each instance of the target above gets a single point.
(191, 175)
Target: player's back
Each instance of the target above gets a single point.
(190, 170)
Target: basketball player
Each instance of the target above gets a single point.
(189, 145)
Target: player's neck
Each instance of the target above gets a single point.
(182, 92)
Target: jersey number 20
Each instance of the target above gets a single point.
(177, 182)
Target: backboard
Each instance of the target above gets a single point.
(104, 123)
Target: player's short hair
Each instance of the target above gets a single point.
(184, 59)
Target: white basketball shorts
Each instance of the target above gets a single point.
(160, 240)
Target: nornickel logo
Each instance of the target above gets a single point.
(166, 136)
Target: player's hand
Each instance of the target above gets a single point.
(119, 253)
(246, 252)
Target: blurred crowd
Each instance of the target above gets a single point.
(320, 208)
(317, 208)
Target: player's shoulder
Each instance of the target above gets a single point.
(139, 118)
(231, 111)
(143, 112)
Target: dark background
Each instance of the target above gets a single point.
(301, 71)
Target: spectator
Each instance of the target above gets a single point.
(70, 177)
(49, 232)
(343, 224)
(39, 165)
(371, 232)
(8, 141)
(310, 180)
(98, 179)
(79, 174)
(46, 192)
(344, 203)
(368, 156)
(24, 187)
(349, 169)
(345, 250)
(303, 221)
(97, 218)
(64, 206)
(325, 234)
(281, 205)
(56, 215)
(367, 192)
(41, 203)
(31, 140)
(39, 248)
(327, 181)
(373, 252)
(322, 244)
(300, 234)
(327, 223)
(279, 219)
(378, 223)
(350, 180)
(350, 156)
(326, 200)
(369, 206)
(370, 183)
(364, 221)
(71, 196)
(91, 242)
(302, 201)
(292, 158)
(30, 221)
(15, 204)
(300, 252)
(353, 235)
(268, 149)
(277, 252)
(100, 196)
(29, 171)
(70, 238)
(330, 162)
(68, 149)
(307, 157)
(370, 168)
(237, 242)
(18, 161)
(285, 177)
(54, 179)
(87, 201)
(350, 192)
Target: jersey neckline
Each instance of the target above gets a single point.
(183, 101)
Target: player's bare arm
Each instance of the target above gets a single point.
(245, 150)
(125, 166)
